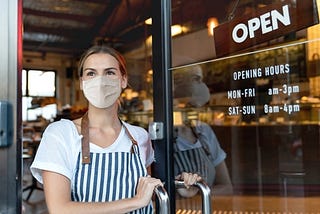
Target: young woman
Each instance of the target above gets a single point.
(98, 159)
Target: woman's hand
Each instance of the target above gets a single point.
(188, 179)
(146, 188)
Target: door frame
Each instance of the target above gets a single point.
(162, 94)
(10, 91)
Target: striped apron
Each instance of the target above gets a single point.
(195, 161)
(109, 176)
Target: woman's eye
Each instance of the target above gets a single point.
(110, 72)
(90, 73)
(196, 79)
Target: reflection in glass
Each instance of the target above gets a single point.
(196, 147)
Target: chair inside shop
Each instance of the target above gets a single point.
(29, 150)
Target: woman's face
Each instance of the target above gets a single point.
(190, 90)
(101, 64)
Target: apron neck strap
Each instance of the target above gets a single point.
(85, 139)
(85, 147)
(134, 148)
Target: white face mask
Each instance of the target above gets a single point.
(200, 94)
(193, 93)
(102, 91)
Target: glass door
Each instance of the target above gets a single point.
(245, 89)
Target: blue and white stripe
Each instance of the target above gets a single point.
(109, 177)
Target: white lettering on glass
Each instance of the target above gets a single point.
(267, 22)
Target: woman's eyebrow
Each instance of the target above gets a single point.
(88, 69)
(111, 68)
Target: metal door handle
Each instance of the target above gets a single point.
(163, 199)
(205, 192)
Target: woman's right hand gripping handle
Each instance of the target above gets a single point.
(145, 189)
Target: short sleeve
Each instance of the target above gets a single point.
(148, 151)
(144, 142)
(208, 137)
(56, 151)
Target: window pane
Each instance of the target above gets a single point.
(29, 113)
(41, 83)
(26, 103)
(24, 82)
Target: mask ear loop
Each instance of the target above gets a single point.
(85, 139)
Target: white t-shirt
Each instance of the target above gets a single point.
(61, 144)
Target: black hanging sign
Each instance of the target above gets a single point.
(264, 24)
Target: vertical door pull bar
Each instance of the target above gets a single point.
(205, 191)
(163, 199)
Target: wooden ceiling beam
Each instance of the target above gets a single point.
(62, 16)
(95, 1)
(68, 33)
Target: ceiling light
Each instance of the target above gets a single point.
(149, 41)
(212, 23)
(178, 29)
(148, 21)
(175, 29)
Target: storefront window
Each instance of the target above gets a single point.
(39, 92)
(260, 105)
